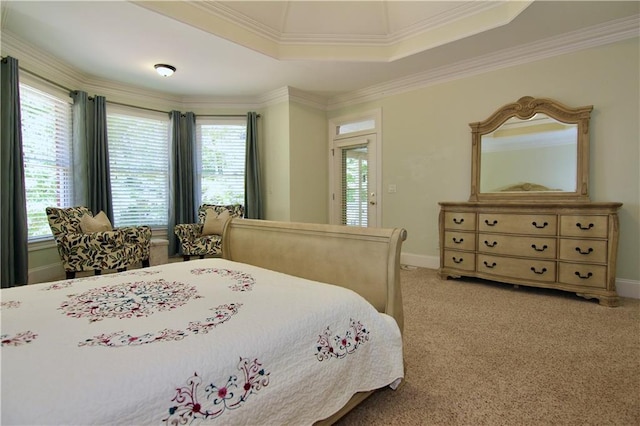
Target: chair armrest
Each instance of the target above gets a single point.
(136, 234)
(93, 240)
(188, 231)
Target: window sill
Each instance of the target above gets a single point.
(44, 243)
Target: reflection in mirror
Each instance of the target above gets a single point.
(537, 154)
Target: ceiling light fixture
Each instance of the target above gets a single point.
(164, 69)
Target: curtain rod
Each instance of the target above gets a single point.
(223, 115)
(58, 85)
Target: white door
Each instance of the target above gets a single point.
(355, 192)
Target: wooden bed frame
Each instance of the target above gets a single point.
(366, 260)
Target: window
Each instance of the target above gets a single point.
(139, 165)
(356, 126)
(48, 159)
(221, 146)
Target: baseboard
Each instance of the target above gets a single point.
(628, 288)
(419, 260)
(46, 273)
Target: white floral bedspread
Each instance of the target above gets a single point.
(205, 341)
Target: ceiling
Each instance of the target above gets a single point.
(325, 48)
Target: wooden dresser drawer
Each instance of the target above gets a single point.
(594, 251)
(537, 247)
(464, 221)
(583, 274)
(584, 226)
(460, 240)
(567, 245)
(459, 260)
(523, 269)
(518, 223)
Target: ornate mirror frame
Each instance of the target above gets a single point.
(525, 108)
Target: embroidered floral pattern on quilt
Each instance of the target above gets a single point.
(140, 272)
(68, 283)
(341, 346)
(10, 304)
(221, 314)
(232, 395)
(19, 339)
(118, 339)
(128, 300)
(244, 281)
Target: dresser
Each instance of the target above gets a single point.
(569, 246)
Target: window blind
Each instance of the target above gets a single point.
(221, 146)
(354, 186)
(139, 166)
(48, 159)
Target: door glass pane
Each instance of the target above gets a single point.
(354, 186)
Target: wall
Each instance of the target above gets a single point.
(309, 186)
(427, 140)
(275, 162)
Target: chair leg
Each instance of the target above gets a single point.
(186, 257)
(145, 263)
(70, 275)
(97, 272)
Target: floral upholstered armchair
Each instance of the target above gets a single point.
(87, 243)
(205, 237)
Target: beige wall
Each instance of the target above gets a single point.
(309, 152)
(427, 141)
(275, 162)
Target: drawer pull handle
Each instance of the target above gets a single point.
(493, 244)
(493, 265)
(584, 228)
(494, 223)
(544, 225)
(458, 221)
(544, 247)
(584, 277)
(579, 250)
(538, 272)
(455, 260)
(458, 241)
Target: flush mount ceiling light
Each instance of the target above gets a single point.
(164, 69)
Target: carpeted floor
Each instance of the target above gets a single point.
(481, 353)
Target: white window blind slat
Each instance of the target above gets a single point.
(221, 149)
(47, 150)
(139, 167)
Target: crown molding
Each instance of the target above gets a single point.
(41, 63)
(204, 105)
(598, 35)
(224, 21)
(51, 68)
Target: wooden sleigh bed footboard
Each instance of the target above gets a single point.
(366, 260)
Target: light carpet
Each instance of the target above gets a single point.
(482, 353)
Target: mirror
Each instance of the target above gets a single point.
(533, 149)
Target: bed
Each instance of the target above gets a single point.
(295, 324)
